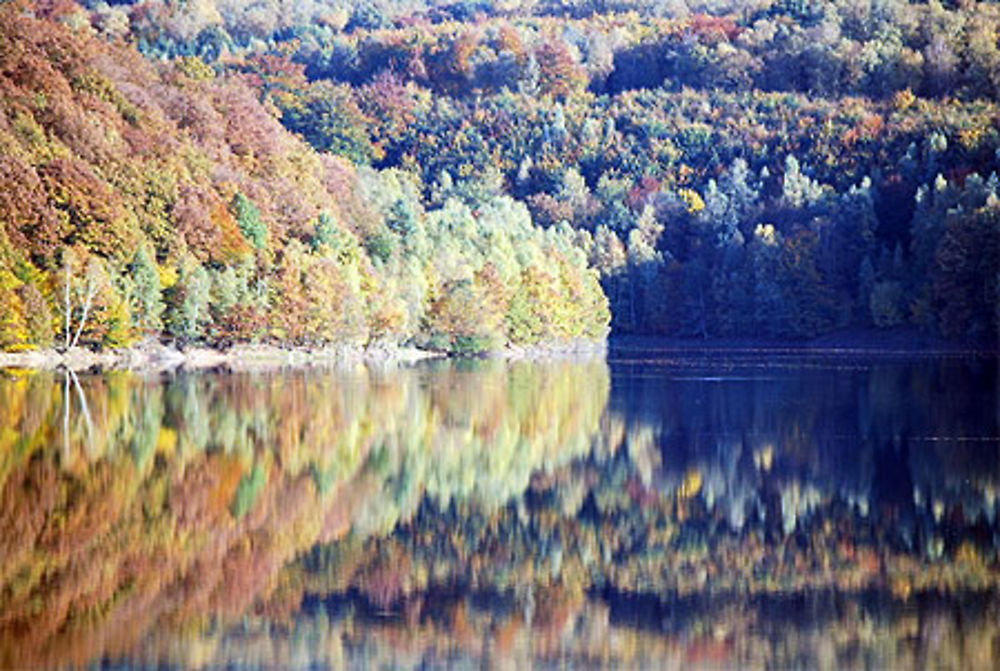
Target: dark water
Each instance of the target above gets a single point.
(660, 509)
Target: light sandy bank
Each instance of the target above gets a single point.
(156, 356)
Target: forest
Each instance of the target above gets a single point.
(463, 176)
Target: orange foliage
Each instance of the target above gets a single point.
(94, 212)
(713, 28)
(868, 129)
(29, 223)
(560, 75)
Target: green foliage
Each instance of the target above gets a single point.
(248, 491)
(463, 320)
(727, 173)
(249, 219)
(964, 278)
(37, 316)
(187, 302)
(381, 245)
(326, 232)
(887, 304)
(330, 120)
(147, 307)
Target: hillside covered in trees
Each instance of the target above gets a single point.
(155, 198)
(459, 175)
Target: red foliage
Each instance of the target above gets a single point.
(560, 75)
(384, 583)
(95, 212)
(241, 323)
(277, 71)
(640, 196)
(55, 9)
(207, 226)
(713, 29)
(29, 222)
(387, 98)
(868, 129)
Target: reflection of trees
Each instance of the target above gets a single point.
(787, 487)
(846, 631)
(390, 492)
(187, 496)
(797, 436)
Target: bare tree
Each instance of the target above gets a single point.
(92, 283)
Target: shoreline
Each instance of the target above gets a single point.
(156, 357)
(160, 357)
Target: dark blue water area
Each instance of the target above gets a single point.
(904, 432)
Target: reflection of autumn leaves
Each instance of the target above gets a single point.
(715, 633)
(385, 582)
(140, 523)
(202, 497)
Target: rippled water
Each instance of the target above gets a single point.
(663, 509)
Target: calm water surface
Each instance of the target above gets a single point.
(660, 509)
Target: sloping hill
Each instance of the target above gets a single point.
(164, 199)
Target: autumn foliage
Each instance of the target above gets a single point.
(252, 234)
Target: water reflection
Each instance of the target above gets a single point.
(172, 499)
(918, 439)
(654, 510)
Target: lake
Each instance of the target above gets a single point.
(661, 508)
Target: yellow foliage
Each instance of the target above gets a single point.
(903, 100)
(166, 441)
(766, 233)
(692, 199)
(970, 138)
(168, 276)
(901, 588)
(968, 553)
(691, 485)
(764, 457)
(14, 334)
(195, 68)
(120, 332)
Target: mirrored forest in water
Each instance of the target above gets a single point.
(796, 510)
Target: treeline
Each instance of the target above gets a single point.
(843, 47)
(142, 199)
(780, 168)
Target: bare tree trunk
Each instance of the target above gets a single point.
(86, 413)
(91, 291)
(68, 306)
(66, 414)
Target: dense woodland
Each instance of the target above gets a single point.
(141, 198)
(466, 175)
